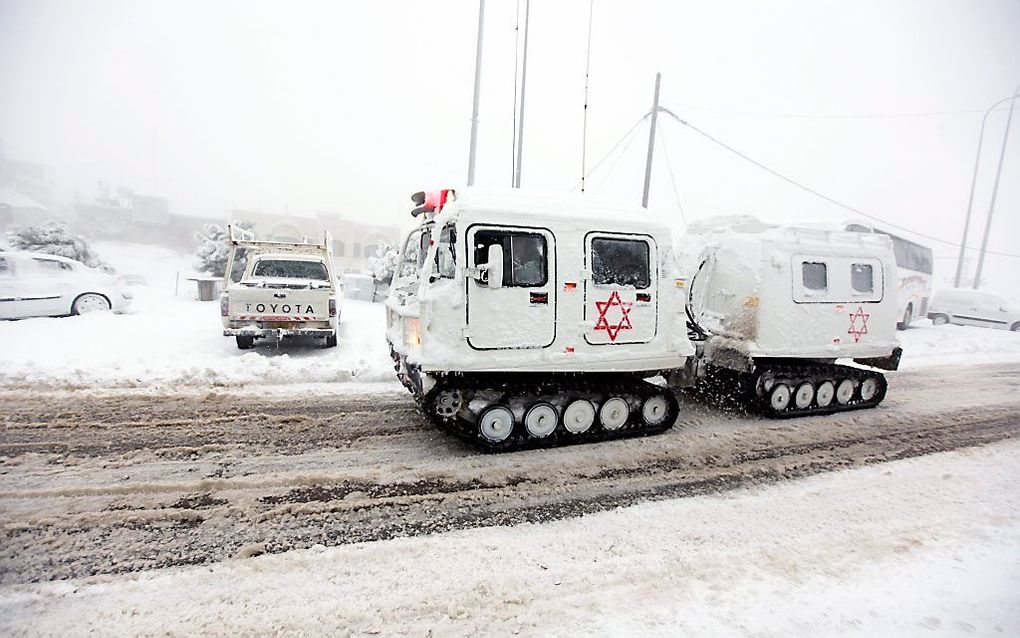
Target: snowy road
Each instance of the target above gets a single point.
(111, 483)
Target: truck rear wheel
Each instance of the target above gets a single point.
(331, 341)
(245, 342)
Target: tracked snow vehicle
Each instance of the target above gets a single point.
(522, 321)
(770, 309)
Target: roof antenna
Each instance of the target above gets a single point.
(587, 66)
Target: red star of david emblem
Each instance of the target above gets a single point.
(858, 324)
(623, 324)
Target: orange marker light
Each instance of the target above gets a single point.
(570, 286)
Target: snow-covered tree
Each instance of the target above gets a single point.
(55, 238)
(214, 248)
(384, 263)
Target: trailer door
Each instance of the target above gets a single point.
(522, 312)
(621, 288)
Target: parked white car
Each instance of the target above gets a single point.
(41, 285)
(974, 308)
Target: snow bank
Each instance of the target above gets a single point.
(895, 549)
(927, 345)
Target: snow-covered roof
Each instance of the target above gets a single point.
(14, 199)
(30, 255)
(516, 205)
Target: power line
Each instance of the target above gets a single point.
(672, 178)
(618, 158)
(832, 116)
(818, 194)
(615, 146)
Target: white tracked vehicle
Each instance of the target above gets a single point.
(771, 308)
(521, 321)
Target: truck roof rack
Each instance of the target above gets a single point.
(242, 238)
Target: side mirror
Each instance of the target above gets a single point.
(495, 266)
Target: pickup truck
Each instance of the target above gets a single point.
(287, 290)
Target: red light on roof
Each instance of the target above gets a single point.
(431, 201)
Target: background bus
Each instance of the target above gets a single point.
(914, 263)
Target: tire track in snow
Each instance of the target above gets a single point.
(117, 484)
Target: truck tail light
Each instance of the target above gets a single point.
(332, 306)
(224, 305)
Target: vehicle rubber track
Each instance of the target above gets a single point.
(616, 408)
(792, 389)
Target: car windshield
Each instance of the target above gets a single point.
(291, 269)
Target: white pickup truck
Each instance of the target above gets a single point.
(287, 290)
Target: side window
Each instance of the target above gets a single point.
(446, 255)
(51, 266)
(814, 276)
(6, 269)
(623, 262)
(412, 255)
(862, 278)
(525, 261)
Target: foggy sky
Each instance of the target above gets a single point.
(350, 107)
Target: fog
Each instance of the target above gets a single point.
(349, 107)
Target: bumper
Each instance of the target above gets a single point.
(891, 362)
(278, 333)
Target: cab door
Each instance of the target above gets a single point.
(620, 289)
(521, 313)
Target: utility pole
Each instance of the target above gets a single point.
(973, 185)
(524, 80)
(995, 192)
(651, 142)
(478, 84)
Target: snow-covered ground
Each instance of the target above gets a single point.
(927, 545)
(169, 340)
(173, 341)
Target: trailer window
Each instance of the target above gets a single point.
(862, 278)
(814, 276)
(623, 262)
(525, 261)
(291, 269)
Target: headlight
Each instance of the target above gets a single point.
(412, 335)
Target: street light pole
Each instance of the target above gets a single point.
(973, 183)
(995, 191)
(524, 81)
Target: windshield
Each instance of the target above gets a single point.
(291, 269)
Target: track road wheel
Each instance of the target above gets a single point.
(844, 391)
(540, 420)
(496, 424)
(869, 388)
(824, 394)
(804, 395)
(579, 416)
(779, 397)
(614, 413)
(655, 410)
